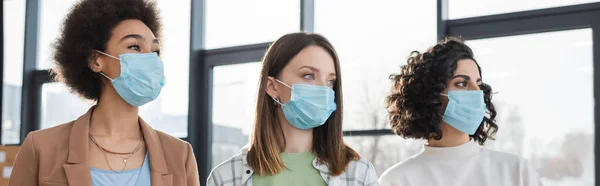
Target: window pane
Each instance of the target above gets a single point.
(384, 151)
(240, 22)
(56, 99)
(14, 37)
(169, 112)
(52, 14)
(528, 72)
(472, 8)
(371, 45)
(234, 95)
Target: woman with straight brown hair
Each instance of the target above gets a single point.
(297, 138)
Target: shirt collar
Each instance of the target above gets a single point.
(457, 152)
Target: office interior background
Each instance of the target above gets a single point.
(538, 55)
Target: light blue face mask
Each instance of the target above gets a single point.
(142, 77)
(309, 107)
(465, 110)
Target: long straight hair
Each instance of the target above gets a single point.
(267, 140)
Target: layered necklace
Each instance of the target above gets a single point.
(123, 155)
(126, 155)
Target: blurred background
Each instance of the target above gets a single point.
(539, 55)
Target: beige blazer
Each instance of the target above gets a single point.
(59, 156)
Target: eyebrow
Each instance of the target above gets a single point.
(465, 77)
(309, 67)
(315, 69)
(138, 37)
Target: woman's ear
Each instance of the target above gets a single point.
(271, 87)
(95, 62)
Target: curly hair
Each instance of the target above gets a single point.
(88, 27)
(414, 105)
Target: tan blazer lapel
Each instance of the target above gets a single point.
(77, 167)
(158, 165)
(159, 179)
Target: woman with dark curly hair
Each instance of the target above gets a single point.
(440, 96)
(108, 52)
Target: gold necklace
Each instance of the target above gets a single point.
(104, 152)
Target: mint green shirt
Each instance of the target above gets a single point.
(298, 171)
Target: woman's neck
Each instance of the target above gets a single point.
(451, 137)
(114, 118)
(296, 140)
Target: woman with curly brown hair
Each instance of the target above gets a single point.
(108, 52)
(440, 96)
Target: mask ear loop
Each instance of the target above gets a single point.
(107, 55)
(283, 83)
(493, 93)
(102, 73)
(277, 101)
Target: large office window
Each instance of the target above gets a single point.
(473, 8)
(540, 62)
(242, 22)
(52, 14)
(545, 100)
(234, 102)
(371, 46)
(169, 112)
(14, 34)
(56, 99)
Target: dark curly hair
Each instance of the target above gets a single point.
(414, 105)
(88, 27)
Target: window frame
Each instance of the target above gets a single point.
(532, 22)
(203, 61)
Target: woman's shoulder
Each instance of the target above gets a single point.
(361, 170)
(358, 167)
(57, 133)
(52, 141)
(503, 158)
(361, 163)
(171, 141)
(396, 172)
(237, 160)
(230, 170)
(226, 168)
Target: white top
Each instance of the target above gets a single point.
(467, 164)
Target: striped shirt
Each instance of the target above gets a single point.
(237, 172)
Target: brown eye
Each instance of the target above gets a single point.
(461, 84)
(134, 47)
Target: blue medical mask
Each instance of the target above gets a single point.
(310, 105)
(465, 110)
(142, 77)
